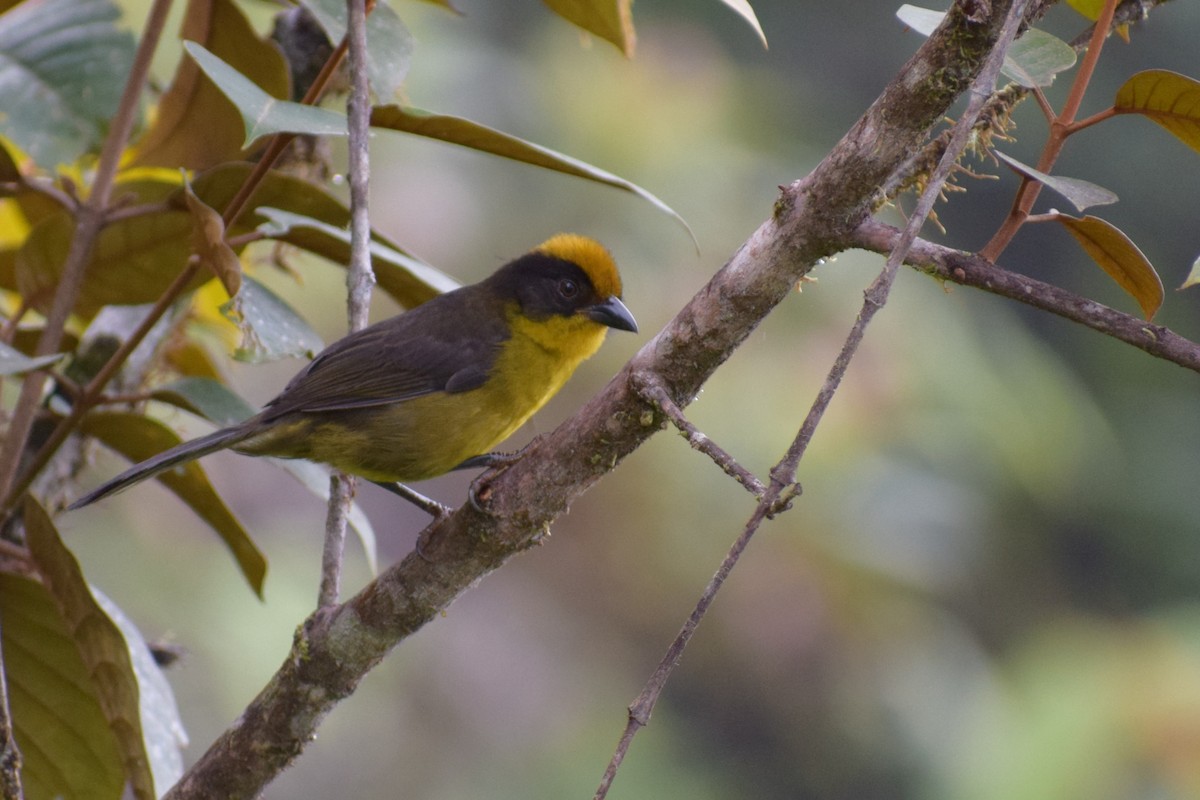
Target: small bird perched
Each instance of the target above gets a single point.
(439, 386)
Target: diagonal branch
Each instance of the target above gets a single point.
(957, 266)
(812, 218)
(783, 487)
(654, 393)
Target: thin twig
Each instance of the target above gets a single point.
(1060, 129)
(359, 278)
(132, 211)
(10, 755)
(341, 494)
(280, 141)
(1004, 101)
(783, 487)
(45, 186)
(653, 391)
(93, 392)
(1087, 122)
(967, 269)
(8, 331)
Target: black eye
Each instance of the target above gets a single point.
(568, 288)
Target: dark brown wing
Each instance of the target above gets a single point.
(447, 344)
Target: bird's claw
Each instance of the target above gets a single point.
(480, 490)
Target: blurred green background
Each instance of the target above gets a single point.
(989, 588)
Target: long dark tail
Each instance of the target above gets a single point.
(178, 454)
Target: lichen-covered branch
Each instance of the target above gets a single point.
(967, 269)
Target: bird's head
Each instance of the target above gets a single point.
(567, 276)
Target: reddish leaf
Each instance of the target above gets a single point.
(196, 126)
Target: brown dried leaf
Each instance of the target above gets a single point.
(611, 20)
(1119, 257)
(208, 242)
(99, 642)
(1168, 98)
(196, 126)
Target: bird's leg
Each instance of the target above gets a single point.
(490, 460)
(427, 504)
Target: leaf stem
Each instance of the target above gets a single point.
(1088, 122)
(1061, 126)
(1043, 104)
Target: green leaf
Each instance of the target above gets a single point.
(1120, 258)
(137, 438)
(611, 20)
(408, 280)
(1036, 58)
(306, 215)
(743, 8)
(63, 63)
(190, 357)
(14, 362)
(1081, 194)
(1168, 98)
(922, 20)
(66, 744)
(99, 642)
(456, 130)
(1033, 60)
(1088, 8)
(195, 125)
(212, 400)
(26, 338)
(271, 329)
(222, 406)
(389, 42)
(162, 727)
(263, 115)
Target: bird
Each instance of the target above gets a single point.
(435, 388)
